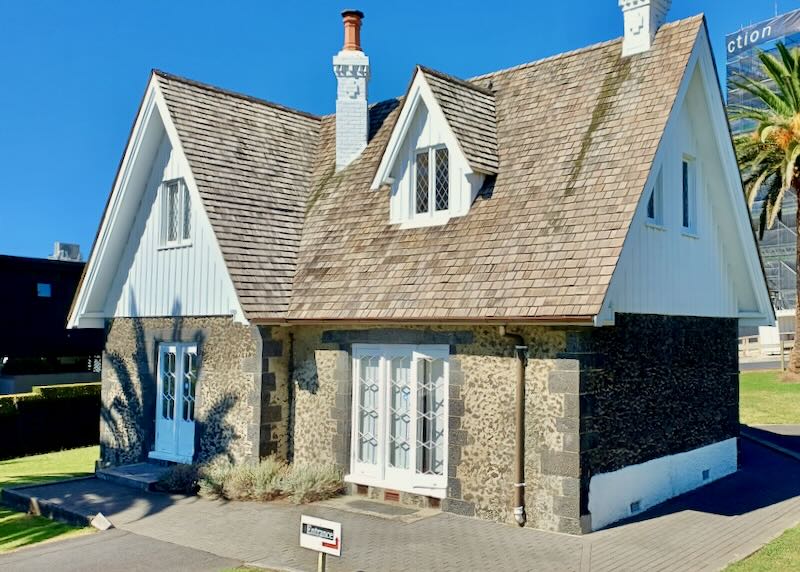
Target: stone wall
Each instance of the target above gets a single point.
(653, 386)
(481, 424)
(241, 408)
(276, 347)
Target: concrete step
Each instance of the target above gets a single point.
(142, 476)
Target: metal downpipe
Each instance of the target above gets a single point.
(521, 351)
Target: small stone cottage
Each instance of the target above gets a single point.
(514, 297)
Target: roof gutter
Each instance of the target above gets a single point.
(584, 320)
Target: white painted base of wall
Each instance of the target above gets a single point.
(612, 494)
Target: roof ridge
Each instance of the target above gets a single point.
(454, 79)
(370, 106)
(589, 48)
(237, 94)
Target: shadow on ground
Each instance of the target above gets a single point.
(764, 479)
(786, 436)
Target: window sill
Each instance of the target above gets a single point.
(176, 245)
(422, 222)
(690, 234)
(655, 226)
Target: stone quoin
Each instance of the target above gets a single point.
(513, 297)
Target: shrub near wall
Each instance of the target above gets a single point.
(50, 418)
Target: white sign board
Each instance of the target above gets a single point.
(321, 535)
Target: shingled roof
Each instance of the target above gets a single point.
(571, 139)
(252, 161)
(470, 112)
(576, 137)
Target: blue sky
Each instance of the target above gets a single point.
(73, 74)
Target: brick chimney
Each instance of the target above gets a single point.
(351, 68)
(642, 18)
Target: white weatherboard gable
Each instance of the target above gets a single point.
(128, 273)
(714, 270)
(422, 124)
(648, 484)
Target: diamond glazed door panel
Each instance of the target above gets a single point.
(399, 413)
(175, 402)
(431, 418)
(188, 394)
(400, 417)
(165, 399)
(367, 433)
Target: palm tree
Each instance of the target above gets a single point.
(768, 155)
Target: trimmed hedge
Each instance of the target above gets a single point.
(50, 418)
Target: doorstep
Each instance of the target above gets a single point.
(142, 476)
(381, 509)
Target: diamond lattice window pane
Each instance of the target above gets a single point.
(430, 416)
(189, 385)
(368, 399)
(400, 412)
(168, 387)
(187, 213)
(422, 198)
(172, 212)
(442, 180)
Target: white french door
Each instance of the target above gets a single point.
(400, 417)
(175, 402)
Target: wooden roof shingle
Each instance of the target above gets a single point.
(252, 161)
(576, 136)
(567, 143)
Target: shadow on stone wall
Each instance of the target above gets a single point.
(128, 420)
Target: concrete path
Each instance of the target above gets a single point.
(110, 551)
(703, 530)
(784, 436)
(759, 364)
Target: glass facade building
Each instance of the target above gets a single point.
(778, 247)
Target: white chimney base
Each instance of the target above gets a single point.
(642, 19)
(352, 124)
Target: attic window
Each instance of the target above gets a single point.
(688, 195)
(654, 202)
(432, 181)
(177, 213)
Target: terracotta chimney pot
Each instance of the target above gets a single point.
(352, 29)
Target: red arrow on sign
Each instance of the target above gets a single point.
(329, 545)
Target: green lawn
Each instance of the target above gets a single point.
(780, 555)
(765, 399)
(18, 529)
(48, 467)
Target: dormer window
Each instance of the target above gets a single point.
(433, 165)
(177, 213)
(432, 181)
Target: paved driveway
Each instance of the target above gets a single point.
(703, 530)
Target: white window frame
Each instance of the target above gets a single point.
(689, 187)
(656, 195)
(183, 238)
(431, 214)
(381, 474)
